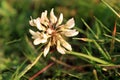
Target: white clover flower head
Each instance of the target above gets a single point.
(51, 32)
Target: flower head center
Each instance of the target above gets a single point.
(50, 31)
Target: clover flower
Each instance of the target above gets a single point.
(51, 32)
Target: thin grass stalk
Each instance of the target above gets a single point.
(98, 60)
(106, 55)
(89, 29)
(111, 8)
(29, 66)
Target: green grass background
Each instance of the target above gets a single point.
(95, 48)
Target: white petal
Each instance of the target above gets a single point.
(39, 37)
(38, 24)
(60, 20)
(44, 16)
(45, 13)
(70, 33)
(65, 44)
(37, 41)
(59, 48)
(44, 38)
(46, 50)
(32, 32)
(53, 18)
(70, 23)
(44, 20)
(32, 23)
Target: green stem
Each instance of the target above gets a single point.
(90, 57)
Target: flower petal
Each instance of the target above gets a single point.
(38, 24)
(46, 50)
(65, 44)
(44, 37)
(53, 18)
(34, 34)
(59, 48)
(43, 40)
(37, 41)
(32, 22)
(70, 33)
(60, 20)
(40, 39)
(70, 23)
(44, 16)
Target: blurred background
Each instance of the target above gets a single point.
(15, 16)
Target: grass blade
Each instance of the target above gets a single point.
(110, 8)
(89, 29)
(29, 66)
(98, 60)
(106, 55)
